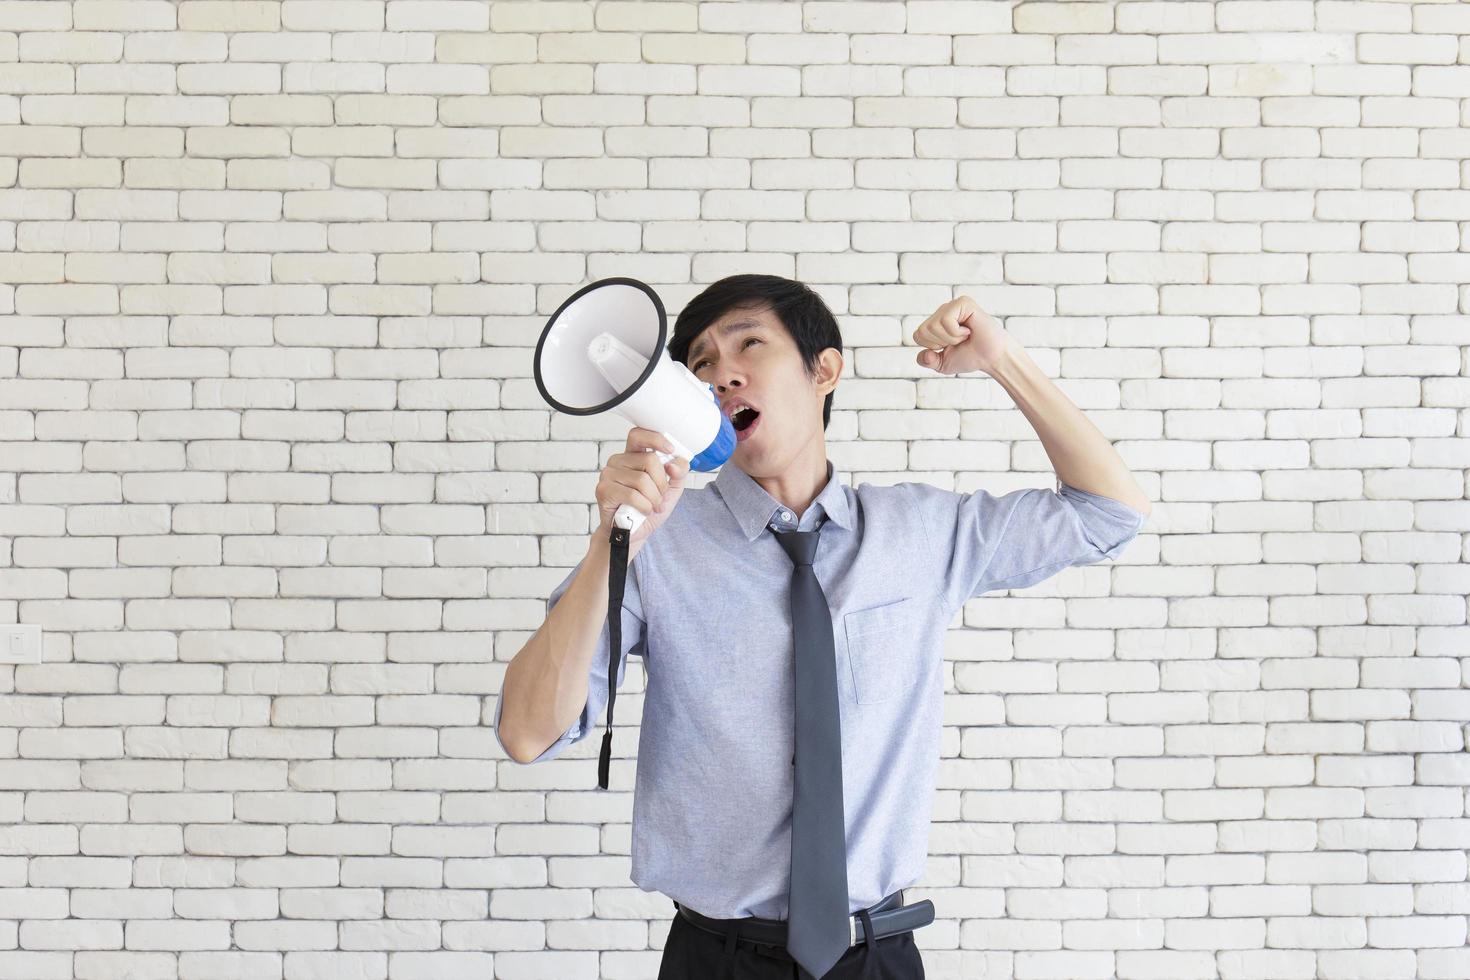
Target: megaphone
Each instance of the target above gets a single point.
(604, 349)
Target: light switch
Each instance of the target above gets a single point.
(20, 644)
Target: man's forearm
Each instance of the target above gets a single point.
(545, 686)
(1082, 456)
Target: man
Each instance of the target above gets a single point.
(710, 606)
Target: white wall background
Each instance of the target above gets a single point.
(276, 481)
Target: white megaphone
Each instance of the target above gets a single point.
(605, 349)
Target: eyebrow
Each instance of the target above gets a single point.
(725, 331)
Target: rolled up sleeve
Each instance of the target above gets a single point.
(982, 542)
(633, 642)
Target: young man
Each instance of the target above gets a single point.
(710, 605)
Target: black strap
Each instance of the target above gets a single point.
(617, 574)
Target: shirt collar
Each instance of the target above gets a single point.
(754, 508)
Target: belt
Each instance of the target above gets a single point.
(888, 917)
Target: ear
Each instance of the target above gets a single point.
(828, 370)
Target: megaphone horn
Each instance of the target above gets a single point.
(604, 349)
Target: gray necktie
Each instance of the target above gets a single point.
(817, 926)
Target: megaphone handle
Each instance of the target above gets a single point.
(628, 517)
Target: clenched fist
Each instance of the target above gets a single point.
(636, 476)
(960, 337)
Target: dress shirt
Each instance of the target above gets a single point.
(707, 607)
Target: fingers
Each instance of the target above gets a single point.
(954, 333)
(645, 465)
(613, 493)
(943, 328)
(637, 476)
(643, 440)
(636, 486)
(940, 331)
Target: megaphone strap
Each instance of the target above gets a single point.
(617, 575)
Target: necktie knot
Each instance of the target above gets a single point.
(801, 546)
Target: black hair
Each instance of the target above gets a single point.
(800, 310)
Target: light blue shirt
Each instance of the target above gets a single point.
(707, 607)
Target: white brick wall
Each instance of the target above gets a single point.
(277, 484)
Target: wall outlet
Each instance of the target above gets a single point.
(20, 644)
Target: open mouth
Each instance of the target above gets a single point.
(743, 418)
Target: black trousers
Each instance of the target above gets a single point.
(692, 953)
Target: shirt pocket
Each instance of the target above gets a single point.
(875, 650)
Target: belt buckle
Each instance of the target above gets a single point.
(851, 931)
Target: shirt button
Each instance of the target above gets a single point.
(786, 514)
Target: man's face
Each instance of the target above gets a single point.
(758, 362)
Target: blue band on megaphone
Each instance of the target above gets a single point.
(713, 456)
